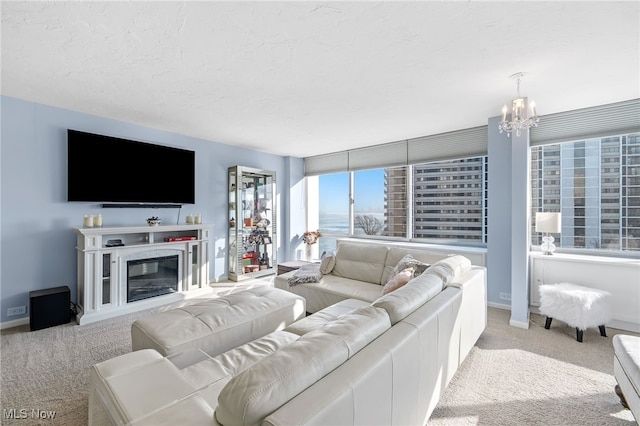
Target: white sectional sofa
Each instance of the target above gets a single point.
(382, 361)
(626, 367)
(360, 271)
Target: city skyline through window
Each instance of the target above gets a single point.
(595, 183)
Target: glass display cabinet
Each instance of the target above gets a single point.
(252, 223)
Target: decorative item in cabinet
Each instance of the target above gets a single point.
(252, 222)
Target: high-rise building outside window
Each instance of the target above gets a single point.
(595, 184)
(442, 201)
(450, 200)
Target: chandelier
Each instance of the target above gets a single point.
(520, 118)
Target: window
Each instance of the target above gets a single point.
(443, 201)
(368, 202)
(453, 203)
(597, 189)
(333, 211)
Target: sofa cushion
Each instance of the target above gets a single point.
(410, 297)
(325, 316)
(333, 289)
(129, 389)
(360, 262)
(226, 365)
(258, 391)
(450, 268)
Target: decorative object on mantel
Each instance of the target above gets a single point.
(548, 222)
(153, 221)
(520, 118)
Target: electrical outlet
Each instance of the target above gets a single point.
(505, 296)
(16, 310)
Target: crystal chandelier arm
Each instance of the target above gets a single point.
(518, 123)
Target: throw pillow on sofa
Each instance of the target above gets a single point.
(408, 261)
(398, 280)
(327, 263)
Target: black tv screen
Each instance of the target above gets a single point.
(108, 169)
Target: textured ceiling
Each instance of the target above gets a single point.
(305, 78)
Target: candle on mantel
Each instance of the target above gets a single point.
(97, 221)
(88, 221)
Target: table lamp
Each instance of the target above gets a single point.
(548, 223)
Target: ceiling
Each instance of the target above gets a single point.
(305, 78)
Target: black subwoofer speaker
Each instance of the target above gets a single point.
(49, 307)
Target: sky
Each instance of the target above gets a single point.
(368, 192)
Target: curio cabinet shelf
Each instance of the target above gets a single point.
(252, 223)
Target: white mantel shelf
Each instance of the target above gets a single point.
(106, 230)
(102, 269)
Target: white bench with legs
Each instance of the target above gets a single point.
(578, 306)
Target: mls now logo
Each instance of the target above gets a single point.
(13, 413)
(23, 413)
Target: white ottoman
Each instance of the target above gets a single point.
(578, 306)
(217, 325)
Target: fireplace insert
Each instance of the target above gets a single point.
(151, 277)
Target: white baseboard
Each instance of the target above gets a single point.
(519, 324)
(14, 323)
(499, 306)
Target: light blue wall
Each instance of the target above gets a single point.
(37, 240)
(499, 215)
(520, 184)
(508, 222)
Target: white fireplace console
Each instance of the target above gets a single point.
(108, 256)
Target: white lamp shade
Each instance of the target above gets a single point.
(549, 222)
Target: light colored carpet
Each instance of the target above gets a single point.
(512, 376)
(534, 377)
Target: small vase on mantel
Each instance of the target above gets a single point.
(307, 252)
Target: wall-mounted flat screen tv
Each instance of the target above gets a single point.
(108, 169)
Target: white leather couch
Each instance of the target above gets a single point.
(355, 362)
(626, 367)
(360, 272)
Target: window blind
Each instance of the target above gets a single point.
(377, 156)
(445, 146)
(449, 146)
(328, 163)
(595, 122)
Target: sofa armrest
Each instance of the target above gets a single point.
(473, 312)
(282, 281)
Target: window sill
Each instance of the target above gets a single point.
(605, 260)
